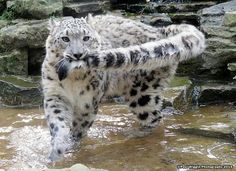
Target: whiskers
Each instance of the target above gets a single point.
(60, 63)
(85, 54)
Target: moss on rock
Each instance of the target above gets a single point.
(37, 9)
(15, 62)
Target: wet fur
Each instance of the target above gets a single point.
(123, 57)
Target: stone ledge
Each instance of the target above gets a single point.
(19, 92)
(217, 93)
(82, 9)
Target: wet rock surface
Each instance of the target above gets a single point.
(179, 94)
(19, 92)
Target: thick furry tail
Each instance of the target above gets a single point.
(179, 47)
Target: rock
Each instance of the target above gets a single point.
(127, 1)
(82, 9)
(15, 62)
(156, 19)
(36, 9)
(185, 17)
(182, 7)
(221, 47)
(78, 1)
(3, 5)
(208, 121)
(3, 23)
(232, 66)
(178, 94)
(140, 8)
(230, 19)
(19, 92)
(218, 24)
(217, 93)
(30, 34)
(193, 67)
(230, 137)
(213, 16)
(76, 167)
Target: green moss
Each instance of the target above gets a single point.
(180, 81)
(8, 14)
(18, 81)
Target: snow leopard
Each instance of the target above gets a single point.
(105, 55)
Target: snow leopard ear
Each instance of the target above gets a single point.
(52, 24)
(89, 19)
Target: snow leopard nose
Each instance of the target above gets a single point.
(77, 55)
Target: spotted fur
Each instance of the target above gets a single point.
(88, 59)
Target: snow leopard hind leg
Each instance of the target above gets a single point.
(144, 97)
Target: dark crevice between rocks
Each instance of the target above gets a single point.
(35, 59)
(3, 6)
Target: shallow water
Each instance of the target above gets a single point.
(24, 141)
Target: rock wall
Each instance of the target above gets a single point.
(23, 31)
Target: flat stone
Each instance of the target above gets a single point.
(3, 23)
(232, 66)
(140, 8)
(35, 9)
(214, 16)
(209, 121)
(217, 93)
(127, 2)
(185, 17)
(15, 62)
(178, 94)
(230, 19)
(19, 92)
(182, 7)
(156, 19)
(82, 9)
(221, 47)
(30, 34)
(79, 1)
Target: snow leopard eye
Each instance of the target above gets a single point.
(65, 39)
(86, 38)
